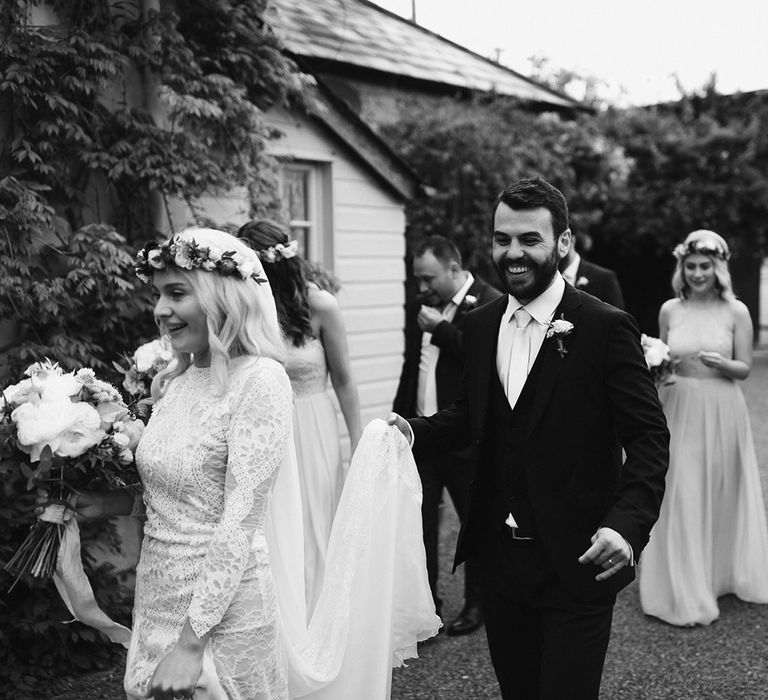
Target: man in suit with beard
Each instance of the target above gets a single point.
(593, 279)
(429, 381)
(554, 386)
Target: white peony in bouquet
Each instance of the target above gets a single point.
(140, 368)
(658, 358)
(68, 431)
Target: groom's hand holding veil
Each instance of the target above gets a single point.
(402, 425)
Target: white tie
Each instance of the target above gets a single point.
(519, 356)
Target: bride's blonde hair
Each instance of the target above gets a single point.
(711, 244)
(240, 313)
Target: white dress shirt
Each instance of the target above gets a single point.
(426, 393)
(541, 309)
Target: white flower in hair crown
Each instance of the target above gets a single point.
(279, 251)
(559, 329)
(700, 247)
(189, 255)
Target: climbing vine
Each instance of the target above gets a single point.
(110, 113)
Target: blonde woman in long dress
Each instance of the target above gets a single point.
(711, 537)
(219, 609)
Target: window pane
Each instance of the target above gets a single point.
(296, 194)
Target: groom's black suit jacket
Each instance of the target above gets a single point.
(584, 407)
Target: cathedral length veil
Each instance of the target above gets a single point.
(375, 603)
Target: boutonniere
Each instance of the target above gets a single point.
(559, 329)
(581, 282)
(469, 302)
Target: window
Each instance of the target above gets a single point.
(306, 202)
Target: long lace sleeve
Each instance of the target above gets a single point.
(256, 440)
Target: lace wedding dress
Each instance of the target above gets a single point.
(223, 547)
(208, 465)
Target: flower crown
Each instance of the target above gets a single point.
(700, 247)
(188, 255)
(279, 251)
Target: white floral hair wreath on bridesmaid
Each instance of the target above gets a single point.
(279, 251)
(701, 247)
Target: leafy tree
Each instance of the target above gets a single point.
(636, 181)
(467, 153)
(694, 164)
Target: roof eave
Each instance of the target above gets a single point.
(319, 65)
(336, 116)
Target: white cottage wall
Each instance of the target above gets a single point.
(363, 244)
(367, 248)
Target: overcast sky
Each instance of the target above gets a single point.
(635, 46)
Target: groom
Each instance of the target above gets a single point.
(554, 386)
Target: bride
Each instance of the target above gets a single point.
(220, 607)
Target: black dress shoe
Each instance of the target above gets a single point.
(468, 620)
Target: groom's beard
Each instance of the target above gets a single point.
(543, 274)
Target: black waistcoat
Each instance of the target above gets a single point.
(502, 468)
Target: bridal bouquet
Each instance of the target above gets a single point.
(658, 358)
(141, 367)
(67, 431)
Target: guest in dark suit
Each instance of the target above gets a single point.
(430, 381)
(590, 278)
(554, 386)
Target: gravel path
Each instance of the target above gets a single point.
(647, 659)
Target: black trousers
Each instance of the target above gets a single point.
(544, 643)
(451, 472)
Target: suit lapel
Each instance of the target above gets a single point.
(551, 360)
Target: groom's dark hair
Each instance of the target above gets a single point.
(532, 193)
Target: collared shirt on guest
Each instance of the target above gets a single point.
(541, 309)
(426, 395)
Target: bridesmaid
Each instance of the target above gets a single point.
(711, 536)
(317, 349)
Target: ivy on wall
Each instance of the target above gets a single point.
(106, 114)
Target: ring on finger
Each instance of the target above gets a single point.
(609, 561)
